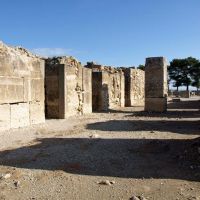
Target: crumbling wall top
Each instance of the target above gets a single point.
(16, 52)
(102, 68)
(66, 60)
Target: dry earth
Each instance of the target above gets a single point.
(145, 154)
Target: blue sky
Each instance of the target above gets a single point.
(110, 32)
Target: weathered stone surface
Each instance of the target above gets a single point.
(11, 90)
(4, 117)
(71, 93)
(156, 84)
(87, 90)
(107, 87)
(36, 112)
(134, 86)
(19, 116)
(156, 77)
(155, 104)
(21, 82)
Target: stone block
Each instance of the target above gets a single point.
(37, 90)
(21, 82)
(156, 84)
(36, 112)
(19, 115)
(156, 104)
(87, 90)
(107, 87)
(11, 90)
(73, 97)
(156, 77)
(71, 94)
(4, 117)
(134, 87)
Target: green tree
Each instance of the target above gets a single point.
(180, 71)
(187, 67)
(142, 67)
(195, 74)
(175, 72)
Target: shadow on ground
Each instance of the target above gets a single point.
(130, 158)
(174, 126)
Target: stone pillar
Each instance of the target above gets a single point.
(156, 84)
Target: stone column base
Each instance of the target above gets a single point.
(156, 104)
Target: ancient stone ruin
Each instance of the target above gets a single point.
(107, 87)
(68, 88)
(134, 87)
(21, 88)
(156, 84)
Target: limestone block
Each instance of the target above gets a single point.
(156, 77)
(19, 115)
(37, 69)
(18, 62)
(73, 92)
(4, 117)
(11, 90)
(37, 89)
(156, 104)
(27, 89)
(137, 87)
(36, 112)
(122, 90)
(33, 89)
(87, 90)
(156, 84)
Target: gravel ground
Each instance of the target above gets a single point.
(113, 155)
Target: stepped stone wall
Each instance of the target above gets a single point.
(107, 87)
(134, 86)
(21, 88)
(68, 88)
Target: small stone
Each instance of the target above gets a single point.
(94, 136)
(142, 198)
(6, 176)
(16, 183)
(112, 182)
(152, 132)
(134, 198)
(106, 182)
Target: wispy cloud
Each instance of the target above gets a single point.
(50, 52)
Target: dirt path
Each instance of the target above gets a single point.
(144, 154)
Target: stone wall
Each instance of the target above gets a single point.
(182, 94)
(21, 88)
(68, 88)
(107, 87)
(156, 89)
(134, 86)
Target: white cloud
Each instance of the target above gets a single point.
(50, 52)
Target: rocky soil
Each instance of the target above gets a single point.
(120, 155)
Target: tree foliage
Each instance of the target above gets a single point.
(141, 67)
(184, 72)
